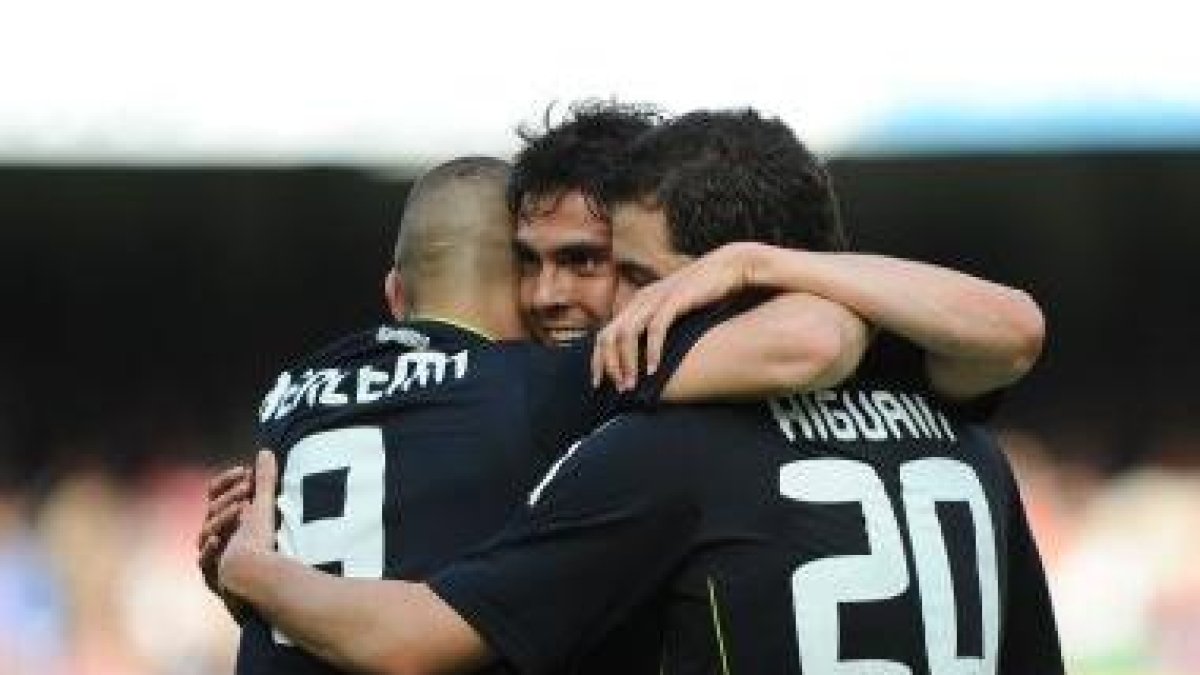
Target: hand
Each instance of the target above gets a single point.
(655, 308)
(255, 533)
(228, 492)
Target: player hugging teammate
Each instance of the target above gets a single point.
(786, 470)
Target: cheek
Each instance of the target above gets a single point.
(623, 294)
(600, 296)
(526, 291)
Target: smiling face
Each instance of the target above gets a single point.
(641, 249)
(566, 277)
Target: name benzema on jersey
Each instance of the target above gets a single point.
(335, 387)
(859, 414)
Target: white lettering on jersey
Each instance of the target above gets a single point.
(368, 377)
(330, 396)
(271, 402)
(337, 387)
(844, 415)
(405, 337)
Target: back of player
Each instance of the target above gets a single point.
(867, 528)
(402, 446)
(398, 448)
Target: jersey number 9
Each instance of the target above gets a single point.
(352, 539)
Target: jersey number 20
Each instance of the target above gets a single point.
(818, 586)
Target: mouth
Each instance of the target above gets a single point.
(564, 335)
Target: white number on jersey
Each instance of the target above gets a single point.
(818, 586)
(355, 538)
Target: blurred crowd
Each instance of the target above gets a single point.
(98, 576)
(1121, 553)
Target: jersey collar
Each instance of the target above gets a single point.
(453, 322)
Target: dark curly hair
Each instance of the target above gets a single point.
(730, 175)
(576, 153)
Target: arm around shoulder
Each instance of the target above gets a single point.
(791, 342)
(978, 335)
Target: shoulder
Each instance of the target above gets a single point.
(628, 459)
(377, 369)
(657, 440)
(641, 427)
(333, 354)
(336, 351)
(894, 360)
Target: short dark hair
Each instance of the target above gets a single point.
(730, 175)
(578, 152)
(481, 169)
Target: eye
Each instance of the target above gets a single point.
(527, 261)
(584, 261)
(636, 275)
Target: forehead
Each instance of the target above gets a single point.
(641, 240)
(637, 226)
(562, 220)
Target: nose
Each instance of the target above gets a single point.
(552, 288)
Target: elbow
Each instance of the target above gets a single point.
(1028, 328)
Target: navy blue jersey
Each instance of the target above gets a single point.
(403, 446)
(865, 528)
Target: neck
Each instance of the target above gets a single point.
(495, 318)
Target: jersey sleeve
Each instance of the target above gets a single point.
(565, 405)
(681, 338)
(1030, 642)
(598, 536)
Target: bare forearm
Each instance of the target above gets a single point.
(359, 624)
(792, 342)
(979, 335)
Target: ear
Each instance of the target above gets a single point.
(393, 291)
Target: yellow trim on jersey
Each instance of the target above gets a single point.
(716, 618)
(454, 322)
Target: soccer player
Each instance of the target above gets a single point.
(868, 527)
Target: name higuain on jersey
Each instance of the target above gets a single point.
(859, 414)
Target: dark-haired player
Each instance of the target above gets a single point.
(870, 527)
(563, 240)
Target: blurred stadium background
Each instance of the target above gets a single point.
(191, 194)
